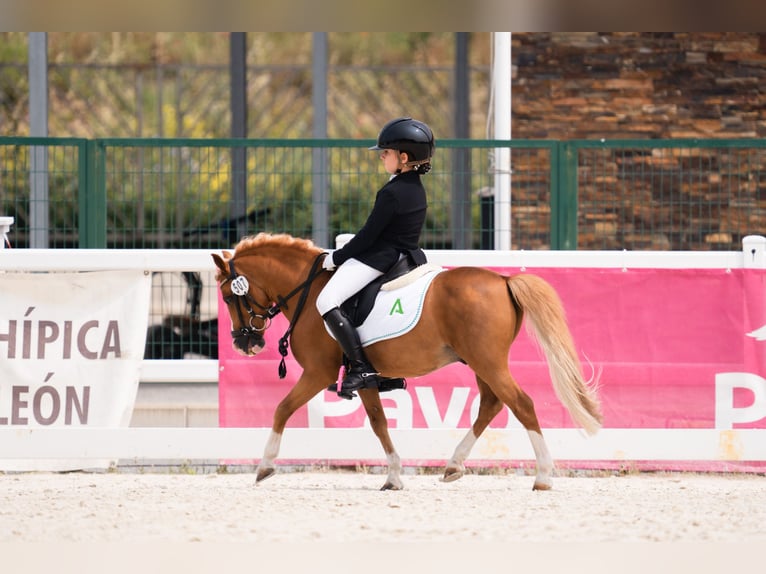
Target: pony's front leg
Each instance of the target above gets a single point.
(266, 467)
(306, 387)
(374, 409)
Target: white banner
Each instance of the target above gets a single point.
(71, 346)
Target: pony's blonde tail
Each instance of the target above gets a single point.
(546, 322)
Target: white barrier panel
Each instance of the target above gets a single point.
(361, 443)
(355, 444)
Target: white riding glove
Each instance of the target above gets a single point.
(328, 262)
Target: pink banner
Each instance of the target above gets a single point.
(676, 349)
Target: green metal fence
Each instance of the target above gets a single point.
(666, 194)
(43, 185)
(185, 193)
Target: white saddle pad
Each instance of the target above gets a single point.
(396, 310)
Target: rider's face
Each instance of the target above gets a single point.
(392, 160)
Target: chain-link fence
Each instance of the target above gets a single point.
(169, 94)
(670, 195)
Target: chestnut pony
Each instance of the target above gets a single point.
(470, 314)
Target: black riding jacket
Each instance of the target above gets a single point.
(393, 227)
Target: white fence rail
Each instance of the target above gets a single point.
(356, 444)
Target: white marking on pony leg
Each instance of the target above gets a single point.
(266, 468)
(394, 479)
(455, 467)
(272, 447)
(543, 479)
(463, 449)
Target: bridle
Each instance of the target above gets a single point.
(249, 333)
(240, 294)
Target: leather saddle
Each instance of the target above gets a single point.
(358, 307)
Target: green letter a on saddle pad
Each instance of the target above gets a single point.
(397, 307)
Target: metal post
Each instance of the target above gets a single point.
(238, 71)
(39, 223)
(564, 196)
(501, 72)
(754, 252)
(320, 193)
(460, 209)
(487, 218)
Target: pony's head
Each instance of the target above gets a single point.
(247, 325)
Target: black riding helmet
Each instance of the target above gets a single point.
(410, 136)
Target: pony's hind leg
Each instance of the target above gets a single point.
(523, 408)
(374, 409)
(489, 407)
(543, 478)
(504, 388)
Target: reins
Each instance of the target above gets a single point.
(242, 292)
(284, 342)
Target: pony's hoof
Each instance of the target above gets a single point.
(391, 486)
(542, 486)
(451, 475)
(264, 474)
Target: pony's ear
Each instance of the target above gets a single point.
(220, 263)
(227, 255)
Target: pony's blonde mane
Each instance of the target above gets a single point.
(274, 240)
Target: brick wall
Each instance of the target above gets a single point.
(616, 85)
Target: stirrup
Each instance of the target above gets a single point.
(361, 380)
(384, 385)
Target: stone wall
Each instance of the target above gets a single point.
(616, 85)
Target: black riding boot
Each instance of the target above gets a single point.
(360, 374)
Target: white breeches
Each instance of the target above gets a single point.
(347, 279)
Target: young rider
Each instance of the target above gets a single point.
(392, 231)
